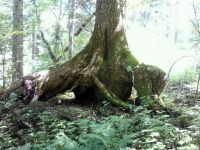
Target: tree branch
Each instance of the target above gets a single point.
(79, 30)
(51, 54)
(170, 69)
(196, 23)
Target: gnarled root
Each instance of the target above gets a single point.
(111, 97)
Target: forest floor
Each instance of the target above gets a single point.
(66, 125)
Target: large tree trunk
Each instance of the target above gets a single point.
(104, 69)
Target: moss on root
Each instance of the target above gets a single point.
(129, 59)
(114, 75)
(148, 80)
(111, 97)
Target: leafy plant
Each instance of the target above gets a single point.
(189, 75)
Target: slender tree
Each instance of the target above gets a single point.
(34, 36)
(2, 70)
(71, 27)
(34, 42)
(17, 50)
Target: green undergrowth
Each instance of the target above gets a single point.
(185, 77)
(78, 128)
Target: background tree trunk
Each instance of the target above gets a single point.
(3, 71)
(35, 36)
(71, 28)
(35, 50)
(17, 53)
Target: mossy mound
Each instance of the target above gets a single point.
(148, 80)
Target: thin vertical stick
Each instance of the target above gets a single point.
(197, 89)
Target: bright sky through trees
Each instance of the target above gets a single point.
(150, 44)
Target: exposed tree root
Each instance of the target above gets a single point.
(111, 97)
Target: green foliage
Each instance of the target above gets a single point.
(183, 121)
(189, 75)
(11, 100)
(43, 62)
(113, 132)
(138, 129)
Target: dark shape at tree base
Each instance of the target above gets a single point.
(138, 101)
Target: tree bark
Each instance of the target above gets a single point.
(71, 28)
(4, 70)
(17, 53)
(104, 69)
(35, 50)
